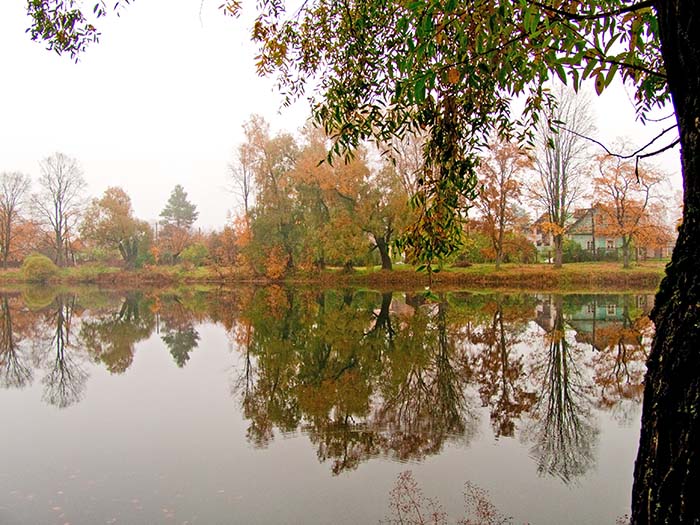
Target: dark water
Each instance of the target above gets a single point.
(298, 406)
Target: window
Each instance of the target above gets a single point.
(589, 245)
(611, 244)
(590, 308)
(612, 309)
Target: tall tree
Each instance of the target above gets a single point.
(59, 202)
(109, 222)
(179, 211)
(328, 196)
(625, 199)
(13, 190)
(384, 210)
(561, 161)
(502, 173)
(177, 218)
(242, 176)
(275, 222)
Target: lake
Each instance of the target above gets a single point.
(283, 405)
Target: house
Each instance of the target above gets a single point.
(587, 229)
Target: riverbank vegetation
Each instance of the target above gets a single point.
(575, 276)
(303, 219)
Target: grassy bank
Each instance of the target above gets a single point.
(575, 276)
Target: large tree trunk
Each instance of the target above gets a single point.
(626, 253)
(383, 248)
(558, 250)
(667, 471)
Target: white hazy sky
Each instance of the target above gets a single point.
(160, 101)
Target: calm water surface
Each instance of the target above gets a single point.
(277, 405)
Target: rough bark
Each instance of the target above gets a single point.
(626, 252)
(383, 248)
(667, 470)
(558, 251)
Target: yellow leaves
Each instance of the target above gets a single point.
(276, 263)
(553, 228)
(155, 252)
(453, 75)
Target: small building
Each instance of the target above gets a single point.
(587, 231)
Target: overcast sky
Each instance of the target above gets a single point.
(160, 101)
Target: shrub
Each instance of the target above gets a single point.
(196, 254)
(38, 268)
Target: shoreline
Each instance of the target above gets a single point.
(541, 277)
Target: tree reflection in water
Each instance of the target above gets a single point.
(178, 332)
(64, 384)
(360, 381)
(621, 353)
(14, 373)
(365, 374)
(563, 430)
(110, 337)
(499, 370)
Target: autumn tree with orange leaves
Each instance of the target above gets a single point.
(501, 170)
(628, 203)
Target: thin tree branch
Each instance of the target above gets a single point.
(575, 16)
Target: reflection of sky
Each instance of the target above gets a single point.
(160, 441)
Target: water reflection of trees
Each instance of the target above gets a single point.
(563, 430)
(14, 372)
(499, 369)
(64, 384)
(361, 379)
(621, 350)
(177, 328)
(365, 374)
(110, 336)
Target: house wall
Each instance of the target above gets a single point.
(600, 241)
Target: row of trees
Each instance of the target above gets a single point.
(300, 212)
(59, 221)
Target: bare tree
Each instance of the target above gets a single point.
(407, 157)
(60, 200)
(560, 162)
(13, 189)
(242, 173)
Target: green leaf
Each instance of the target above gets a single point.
(419, 90)
(560, 72)
(599, 83)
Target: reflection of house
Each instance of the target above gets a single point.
(600, 315)
(595, 319)
(545, 314)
